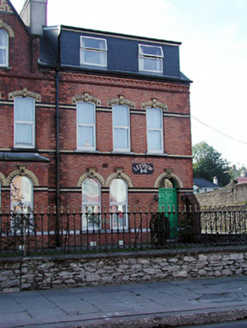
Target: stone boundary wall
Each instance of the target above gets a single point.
(33, 273)
(231, 195)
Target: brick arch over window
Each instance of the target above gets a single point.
(154, 103)
(87, 98)
(169, 175)
(121, 101)
(22, 171)
(25, 93)
(91, 174)
(3, 181)
(119, 175)
(7, 29)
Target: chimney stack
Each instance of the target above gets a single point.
(34, 15)
(215, 181)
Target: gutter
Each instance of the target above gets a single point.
(132, 75)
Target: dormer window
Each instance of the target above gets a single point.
(93, 51)
(150, 58)
(4, 41)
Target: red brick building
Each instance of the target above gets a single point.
(90, 118)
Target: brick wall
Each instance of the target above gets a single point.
(24, 72)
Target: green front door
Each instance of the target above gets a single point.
(168, 204)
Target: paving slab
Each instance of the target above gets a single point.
(132, 305)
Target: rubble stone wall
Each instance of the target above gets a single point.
(231, 195)
(34, 273)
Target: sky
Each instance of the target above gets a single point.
(213, 55)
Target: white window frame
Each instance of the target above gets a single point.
(88, 208)
(121, 127)
(93, 125)
(29, 123)
(116, 216)
(93, 50)
(6, 49)
(145, 56)
(155, 129)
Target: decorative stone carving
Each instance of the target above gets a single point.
(119, 174)
(25, 93)
(22, 171)
(87, 98)
(154, 103)
(121, 101)
(3, 181)
(169, 175)
(93, 175)
(7, 29)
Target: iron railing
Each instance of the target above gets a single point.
(141, 228)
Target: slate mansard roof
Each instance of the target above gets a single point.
(60, 48)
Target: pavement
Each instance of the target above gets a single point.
(153, 304)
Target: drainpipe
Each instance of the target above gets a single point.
(57, 163)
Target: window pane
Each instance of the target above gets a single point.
(93, 57)
(150, 64)
(94, 43)
(24, 134)
(3, 39)
(118, 191)
(121, 138)
(151, 51)
(3, 57)
(154, 140)
(90, 191)
(21, 190)
(85, 136)
(120, 116)
(91, 217)
(154, 118)
(85, 113)
(24, 109)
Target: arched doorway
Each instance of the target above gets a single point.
(168, 203)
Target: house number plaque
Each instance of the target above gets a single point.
(142, 168)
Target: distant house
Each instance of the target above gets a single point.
(202, 185)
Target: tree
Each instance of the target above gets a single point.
(208, 163)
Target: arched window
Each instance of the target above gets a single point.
(21, 194)
(118, 204)
(86, 133)
(154, 130)
(91, 193)
(4, 49)
(24, 122)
